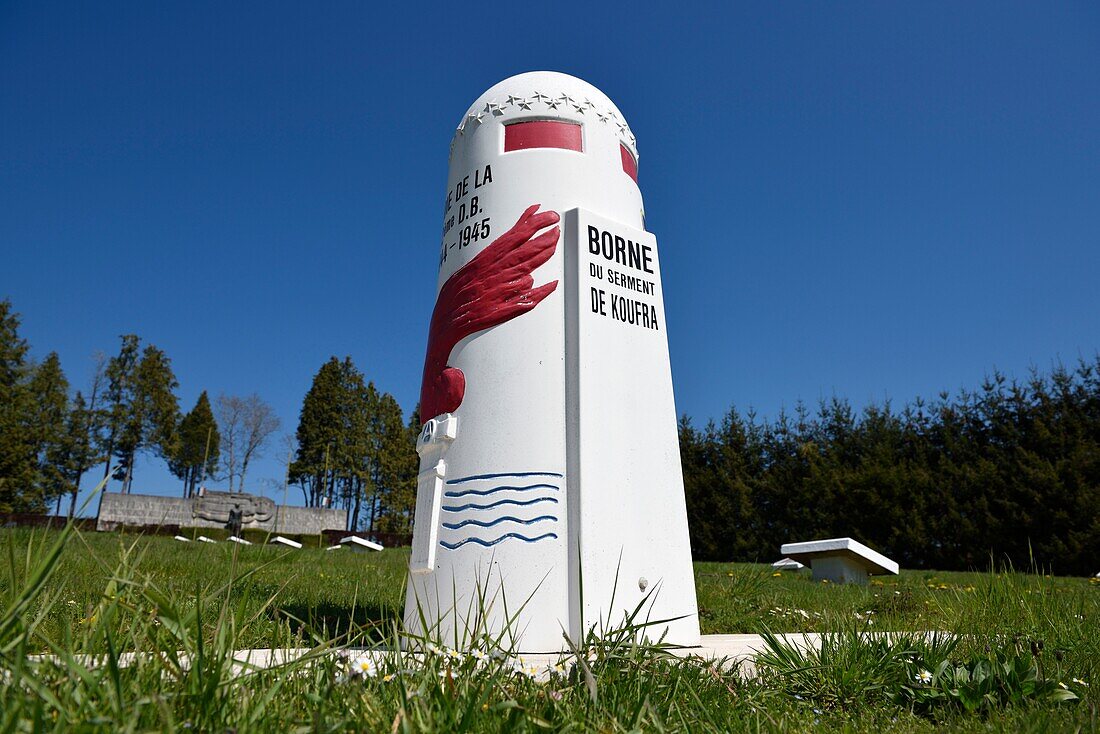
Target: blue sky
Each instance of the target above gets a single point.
(868, 200)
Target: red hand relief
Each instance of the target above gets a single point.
(494, 287)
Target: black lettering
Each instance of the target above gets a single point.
(635, 256)
(593, 240)
(647, 259)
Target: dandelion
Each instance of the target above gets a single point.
(924, 677)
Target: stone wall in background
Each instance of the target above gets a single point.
(212, 511)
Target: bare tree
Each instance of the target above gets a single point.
(246, 424)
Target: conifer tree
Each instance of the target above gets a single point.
(46, 425)
(17, 458)
(198, 446)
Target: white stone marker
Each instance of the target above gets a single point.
(840, 560)
(204, 539)
(241, 541)
(549, 465)
(787, 564)
(181, 539)
(356, 543)
(286, 541)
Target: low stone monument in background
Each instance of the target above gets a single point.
(212, 511)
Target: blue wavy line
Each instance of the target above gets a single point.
(475, 477)
(501, 539)
(506, 518)
(483, 492)
(498, 503)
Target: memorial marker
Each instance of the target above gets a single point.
(550, 468)
(359, 544)
(840, 560)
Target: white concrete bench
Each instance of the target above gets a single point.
(840, 560)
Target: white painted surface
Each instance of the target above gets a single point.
(787, 564)
(235, 539)
(628, 515)
(514, 422)
(204, 539)
(280, 540)
(840, 560)
(355, 543)
(182, 539)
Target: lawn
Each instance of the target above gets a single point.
(1022, 646)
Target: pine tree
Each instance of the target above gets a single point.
(320, 425)
(17, 458)
(119, 399)
(46, 426)
(198, 446)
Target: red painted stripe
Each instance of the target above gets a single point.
(629, 164)
(542, 134)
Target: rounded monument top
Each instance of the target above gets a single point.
(546, 95)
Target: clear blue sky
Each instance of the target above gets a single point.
(873, 200)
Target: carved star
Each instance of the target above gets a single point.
(589, 103)
(553, 103)
(566, 100)
(580, 107)
(623, 130)
(540, 97)
(494, 109)
(603, 116)
(523, 103)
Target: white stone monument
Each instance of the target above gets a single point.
(354, 542)
(840, 560)
(550, 487)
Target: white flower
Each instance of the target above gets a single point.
(923, 677)
(364, 666)
(435, 649)
(455, 655)
(526, 668)
(479, 656)
(1080, 682)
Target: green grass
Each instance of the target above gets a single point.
(109, 593)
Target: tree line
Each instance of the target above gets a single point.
(352, 447)
(1007, 472)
